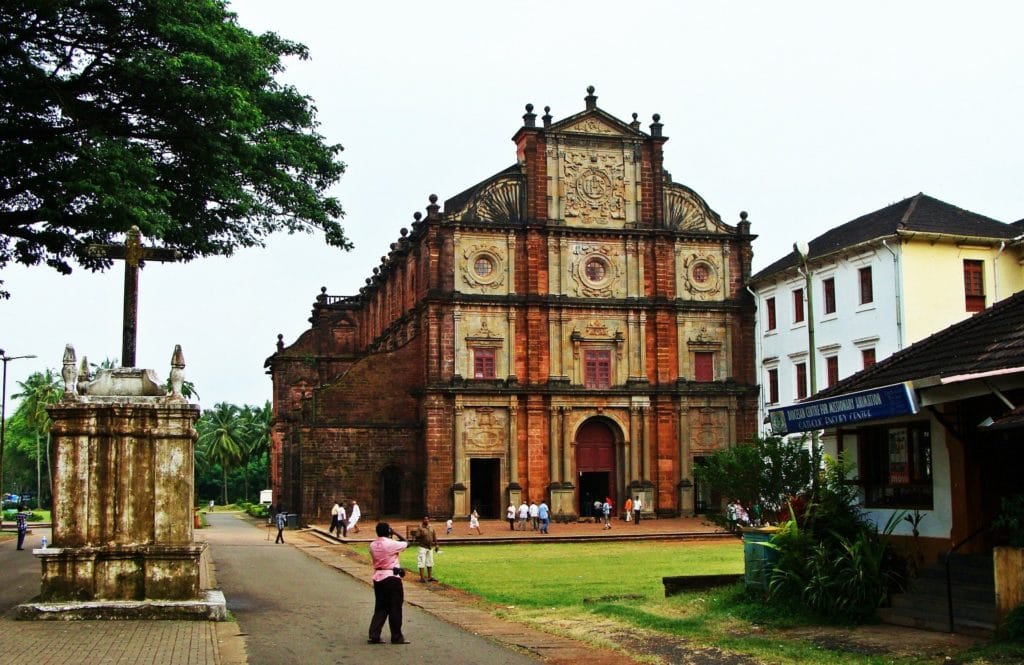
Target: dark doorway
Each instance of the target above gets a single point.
(594, 486)
(704, 499)
(484, 484)
(391, 491)
(595, 463)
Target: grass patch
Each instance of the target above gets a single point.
(611, 594)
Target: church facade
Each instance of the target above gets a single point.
(575, 326)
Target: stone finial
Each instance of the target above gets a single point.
(591, 98)
(69, 372)
(433, 210)
(656, 125)
(547, 116)
(403, 232)
(84, 376)
(636, 123)
(280, 342)
(177, 371)
(529, 118)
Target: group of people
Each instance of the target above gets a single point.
(539, 516)
(342, 521)
(606, 508)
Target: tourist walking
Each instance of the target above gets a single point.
(426, 538)
(628, 509)
(638, 505)
(388, 593)
(534, 515)
(342, 520)
(334, 519)
(510, 515)
(21, 519)
(606, 512)
(281, 519)
(353, 517)
(545, 516)
(524, 512)
(474, 522)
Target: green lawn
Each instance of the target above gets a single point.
(611, 594)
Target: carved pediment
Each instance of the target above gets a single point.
(497, 201)
(593, 125)
(685, 210)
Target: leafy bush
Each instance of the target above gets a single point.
(1011, 520)
(762, 474)
(832, 558)
(1012, 627)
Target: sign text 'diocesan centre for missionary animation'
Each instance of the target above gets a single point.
(885, 402)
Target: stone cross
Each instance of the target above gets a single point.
(133, 254)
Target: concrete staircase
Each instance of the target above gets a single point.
(924, 605)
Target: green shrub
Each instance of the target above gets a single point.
(1011, 520)
(256, 509)
(832, 558)
(1012, 627)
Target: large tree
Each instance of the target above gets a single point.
(38, 391)
(221, 440)
(164, 114)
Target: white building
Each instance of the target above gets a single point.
(878, 284)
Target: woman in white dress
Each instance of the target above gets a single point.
(474, 522)
(353, 518)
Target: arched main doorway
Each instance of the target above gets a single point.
(595, 464)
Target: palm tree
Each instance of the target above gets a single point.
(256, 422)
(222, 438)
(37, 391)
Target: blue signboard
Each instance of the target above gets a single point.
(875, 404)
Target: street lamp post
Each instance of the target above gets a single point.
(3, 416)
(803, 250)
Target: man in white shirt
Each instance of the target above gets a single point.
(524, 512)
(638, 505)
(534, 515)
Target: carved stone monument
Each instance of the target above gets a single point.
(123, 497)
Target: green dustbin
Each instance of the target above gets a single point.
(293, 521)
(758, 560)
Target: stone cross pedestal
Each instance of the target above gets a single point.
(123, 496)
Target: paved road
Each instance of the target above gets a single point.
(294, 609)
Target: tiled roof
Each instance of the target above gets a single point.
(920, 213)
(988, 341)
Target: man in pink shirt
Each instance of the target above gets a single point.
(387, 584)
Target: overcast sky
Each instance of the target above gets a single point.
(805, 114)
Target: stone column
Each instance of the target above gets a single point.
(511, 341)
(567, 446)
(513, 441)
(554, 432)
(634, 437)
(645, 426)
(685, 484)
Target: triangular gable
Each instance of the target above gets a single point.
(594, 121)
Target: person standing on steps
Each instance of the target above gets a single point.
(638, 505)
(474, 522)
(334, 519)
(524, 512)
(510, 515)
(388, 593)
(280, 520)
(342, 520)
(606, 513)
(426, 538)
(534, 515)
(545, 516)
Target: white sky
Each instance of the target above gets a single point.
(805, 114)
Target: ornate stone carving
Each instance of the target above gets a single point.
(485, 430)
(595, 270)
(597, 329)
(685, 210)
(595, 190)
(483, 266)
(702, 276)
(69, 372)
(500, 200)
(593, 126)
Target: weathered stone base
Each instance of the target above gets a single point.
(121, 573)
(210, 607)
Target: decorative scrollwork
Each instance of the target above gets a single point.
(497, 201)
(685, 210)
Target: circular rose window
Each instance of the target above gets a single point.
(483, 266)
(596, 269)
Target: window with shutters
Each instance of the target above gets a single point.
(798, 305)
(801, 380)
(867, 357)
(483, 364)
(769, 309)
(867, 289)
(832, 365)
(597, 368)
(828, 288)
(974, 287)
(703, 366)
(773, 386)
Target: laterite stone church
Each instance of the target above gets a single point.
(572, 327)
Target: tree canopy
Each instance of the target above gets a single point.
(164, 114)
